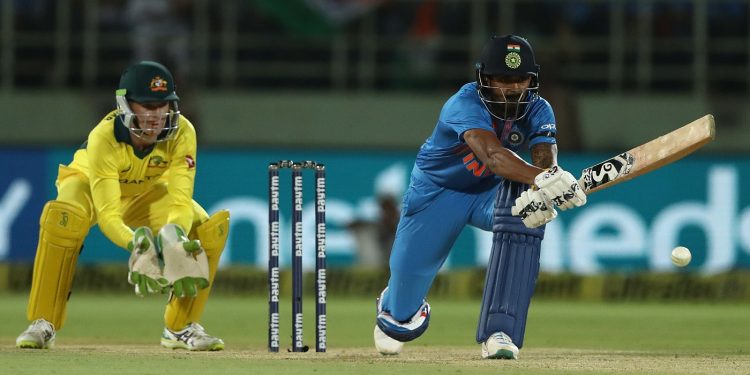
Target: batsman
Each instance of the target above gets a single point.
(468, 172)
(133, 176)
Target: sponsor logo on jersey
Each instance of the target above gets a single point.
(475, 166)
(125, 181)
(190, 161)
(158, 84)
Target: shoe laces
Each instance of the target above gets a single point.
(46, 328)
(501, 337)
(196, 331)
(42, 325)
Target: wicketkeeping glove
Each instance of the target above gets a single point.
(185, 262)
(144, 270)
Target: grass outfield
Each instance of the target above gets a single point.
(120, 334)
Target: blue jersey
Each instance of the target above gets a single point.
(449, 162)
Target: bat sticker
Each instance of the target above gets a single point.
(607, 171)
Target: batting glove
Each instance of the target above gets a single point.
(534, 208)
(561, 188)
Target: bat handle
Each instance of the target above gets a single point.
(583, 181)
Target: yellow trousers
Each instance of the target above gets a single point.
(148, 209)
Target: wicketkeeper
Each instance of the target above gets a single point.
(133, 176)
(468, 173)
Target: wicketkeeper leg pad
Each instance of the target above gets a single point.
(511, 272)
(213, 235)
(63, 227)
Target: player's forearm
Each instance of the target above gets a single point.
(500, 160)
(181, 215)
(115, 229)
(544, 155)
(180, 189)
(506, 163)
(105, 193)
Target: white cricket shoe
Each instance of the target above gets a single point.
(192, 337)
(499, 346)
(385, 344)
(39, 335)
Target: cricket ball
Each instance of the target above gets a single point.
(681, 256)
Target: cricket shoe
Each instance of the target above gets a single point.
(39, 335)
(386, 345)
(499, 346)
(192, 337)
(390, 334)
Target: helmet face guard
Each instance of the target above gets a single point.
(507, 56)
(148, 82)
(504, 103)
(171, 119)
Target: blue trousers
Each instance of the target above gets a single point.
(432, 217)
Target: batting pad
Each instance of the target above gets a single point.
(63, 227)
(511, 272)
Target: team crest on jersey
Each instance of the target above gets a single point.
(515, 138)
(158, 84)
(157, 162)
(513, 60)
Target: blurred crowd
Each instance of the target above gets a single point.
(431, 35)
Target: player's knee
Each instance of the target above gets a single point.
(213, 233)
(408, 330)
(64, 221)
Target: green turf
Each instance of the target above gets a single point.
(120, 334)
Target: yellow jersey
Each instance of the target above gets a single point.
(117, 172)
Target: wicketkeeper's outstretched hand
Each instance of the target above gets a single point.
(185, 262)
(144, 270)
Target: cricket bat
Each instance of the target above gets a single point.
(648, 156)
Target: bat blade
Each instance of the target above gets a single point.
(649, 156)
